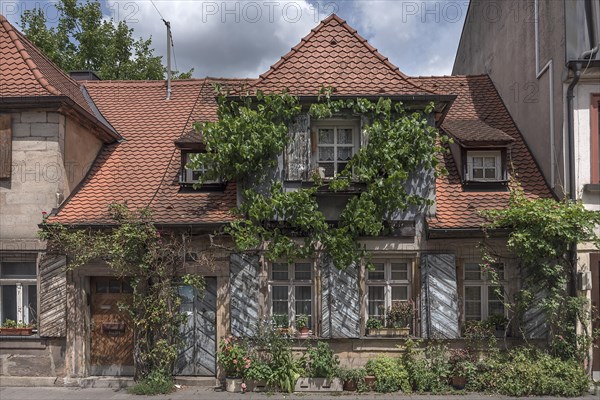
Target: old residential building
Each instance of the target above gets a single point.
(432, 258)
(543, 57)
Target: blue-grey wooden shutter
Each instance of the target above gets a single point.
(534, 319)
(340, 312)
(297, 152)
(53, 296)
(244, 291)
(439, 297)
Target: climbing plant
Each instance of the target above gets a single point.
(154, 262)
(252, 132)
(541, 234)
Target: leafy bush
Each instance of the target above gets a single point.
(390, 375)
(157, 382)
(233, 357)
(526, 372)
(430, 371)
(355, 375)
(321, 363)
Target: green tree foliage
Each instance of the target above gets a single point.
(83, 39)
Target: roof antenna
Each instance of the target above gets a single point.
(169, 44)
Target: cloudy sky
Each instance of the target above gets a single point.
(244, 38)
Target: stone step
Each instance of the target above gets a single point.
(29, 381)
(106, 382)
(204, 381)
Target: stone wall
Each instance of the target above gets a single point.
(32, 357)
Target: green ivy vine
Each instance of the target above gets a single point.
(250, 134)
(541, 232)
(154, 262)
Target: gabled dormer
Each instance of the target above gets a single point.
(481, 152)
(190, 179)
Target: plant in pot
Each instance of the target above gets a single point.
(233, 357)
(257, 375)
(499, 322)
(282, 323)
(462, 367)
(351, 377)
(321, 366)
(302, 325)
(374, 324)
(400, 316)
(10, 327)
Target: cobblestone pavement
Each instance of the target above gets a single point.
(185, 393)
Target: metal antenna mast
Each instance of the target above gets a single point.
(169, 45)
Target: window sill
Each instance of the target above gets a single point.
(501, 185)
(355, 187)
(591, 187)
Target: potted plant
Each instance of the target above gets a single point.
(10, 327)
(374, 325)
(399, 317)
(351, 377)
(462, 367)
(302, 325)
(257, 376)
(234, 358)
(499, 322)
(321, 366)
(282, 323)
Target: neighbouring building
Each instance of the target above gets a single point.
(543, 57)
(432, 258)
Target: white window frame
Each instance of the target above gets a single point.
(485, 286)
(486, 154)
(22, 291)
(335, 124)
(187, 175)
(291, 284)
(388, 283)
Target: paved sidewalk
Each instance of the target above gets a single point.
(190, 393)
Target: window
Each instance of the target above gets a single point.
(484, 166)
(481, 299)
(389, 281)
(18, 290)
(336, 144)
(291, 290)
(193, 175)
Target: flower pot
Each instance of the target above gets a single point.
(233, 385)
(370, 381)
(257, 386)
(303, 332)
(318, 385)
(389, 332)
(16, 331)
(350, 386)
(459, 382)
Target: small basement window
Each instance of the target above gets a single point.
(190, 176)
(484, 166)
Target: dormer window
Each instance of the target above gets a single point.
(484, 166)
(190, 176)
(336, 143)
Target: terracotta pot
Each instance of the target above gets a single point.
(350, 386)
(304, 332)
(16, 331)
(459, 382)
(370, 381)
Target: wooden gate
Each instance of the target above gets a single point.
(198, 355)
(111, 346)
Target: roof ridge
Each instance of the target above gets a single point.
(16, 40)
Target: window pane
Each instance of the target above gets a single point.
(490, 173)
(328, 167)
(472, 272)
(279, 272)
(477, 162)
(378, 273)
(341, 166)
(495, 293)
(495, 308)
(472, 310)
(102, 286)
(376, 300)
(13, 270)
(304, 302)
(344, 153)
(399, 293)
(31, 303)
(127, 287)
(326, 136)
(302, 272)
(325, 153)
(477, 173)
(473, 293)
(279, 296)
(344, 135)
(114, 286)
(490, 162)
(399, 271)
(9, 302)
(499, 268)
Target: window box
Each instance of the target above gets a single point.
(318, 385)
(16, 331)
(389, 332)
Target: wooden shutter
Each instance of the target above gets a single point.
(297, 154)
(340, 314)
(439, 297)
(53, 296)
(534, 319)
(5, 147)
(244, 291)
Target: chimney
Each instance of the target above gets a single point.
(84, 76)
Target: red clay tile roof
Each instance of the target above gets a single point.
(474, 132)
(477, 98)
(144, 169)
(335, 55)
(26, 72)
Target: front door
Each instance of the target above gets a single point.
(198, 355)
(111, 346)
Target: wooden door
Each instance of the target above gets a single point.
(111, 347)
(198, 354)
